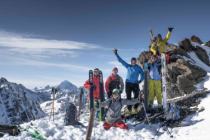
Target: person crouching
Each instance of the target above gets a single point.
(114, 105)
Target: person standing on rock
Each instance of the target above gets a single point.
(132, 82)
(155, 85)
(114, 81)
(160, 45)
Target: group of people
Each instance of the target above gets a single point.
(114, 84)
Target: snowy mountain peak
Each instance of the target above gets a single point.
(66, 86)
(3, 80)
(17, 103)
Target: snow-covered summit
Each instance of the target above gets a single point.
(17, 103)
(67, 86)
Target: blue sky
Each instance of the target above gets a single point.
(46, 41)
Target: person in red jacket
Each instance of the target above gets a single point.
(96, 82)
(114, 81)
(96, 91)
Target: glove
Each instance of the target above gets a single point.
(115, 51)
(170, 29)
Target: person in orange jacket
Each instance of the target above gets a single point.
(114, 81)
(96, 82)
(96, 91)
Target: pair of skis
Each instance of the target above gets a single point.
(92, 108)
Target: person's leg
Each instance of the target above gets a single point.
(136, 91)
(151, 92)
(158, 87)
(121, 125)
(128, 94)
(107, 125)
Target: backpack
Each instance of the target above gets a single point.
(71, 114)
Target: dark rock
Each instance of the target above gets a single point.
(202, 55)
(183, 76)
(196, 39)
(208, 43)
(186, 45)
(3, 80)
(185, 85)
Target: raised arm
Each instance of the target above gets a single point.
(168, 35)
(120, 59)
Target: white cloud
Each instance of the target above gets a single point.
(42, 64)
(27, 42)
(122, 70)
(41, 47)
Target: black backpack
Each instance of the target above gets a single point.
(71, 114)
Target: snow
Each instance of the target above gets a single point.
(198, 62)
(67, 86)
(199, 130)
(57, 131)
(16, 100)
(206, 48)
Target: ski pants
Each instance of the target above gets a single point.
(132, 88)
(155, 89)
(119, 124)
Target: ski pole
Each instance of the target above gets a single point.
(53, 104)
(147, 119)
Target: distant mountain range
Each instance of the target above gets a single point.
(18, 104)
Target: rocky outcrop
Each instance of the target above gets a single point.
(186, 45)
(183, 73)
(202, 55)
(18, 104)
(196, 39)
(183, 77)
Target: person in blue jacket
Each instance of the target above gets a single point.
(132, 82)
(155, 85)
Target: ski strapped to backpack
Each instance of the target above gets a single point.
(92, 111)
(101, 87)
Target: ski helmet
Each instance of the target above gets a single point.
(115, 93)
